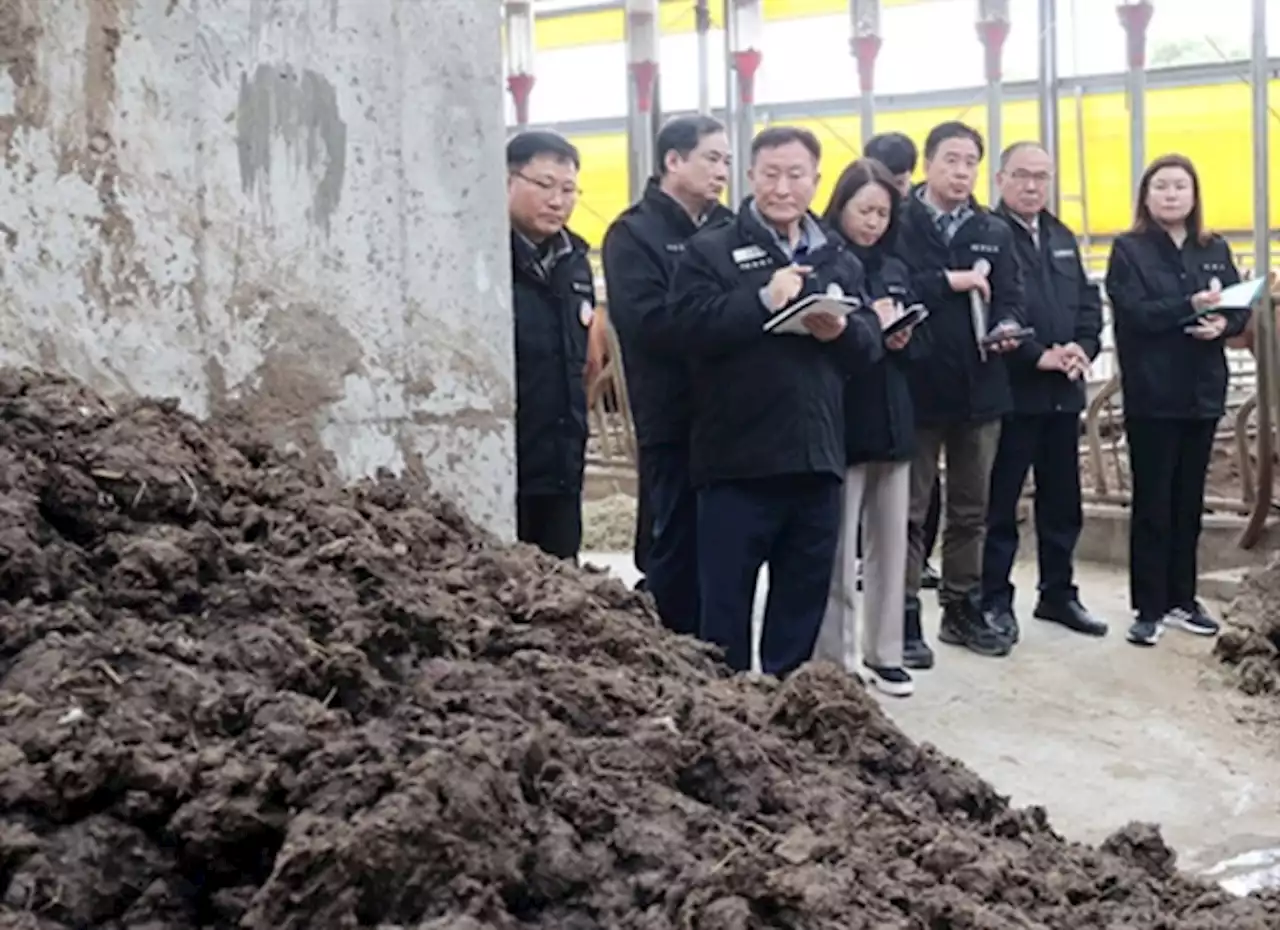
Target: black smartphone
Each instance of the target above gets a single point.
(997, 336)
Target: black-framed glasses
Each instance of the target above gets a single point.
(548, 187)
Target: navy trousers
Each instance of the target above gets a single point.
(1049, 445)
(791, 523)
(671, 553)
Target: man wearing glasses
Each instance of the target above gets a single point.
(1047, 376)
(558, 340)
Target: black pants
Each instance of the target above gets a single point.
(552, 522)
(1049, 445)
(644, 521)
(671, 552)
(932, 519)
(1168, 461)
(793, 524)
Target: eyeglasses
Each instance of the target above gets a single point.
(1037, 177)
(568, 189)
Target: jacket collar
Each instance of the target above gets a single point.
(673, 212)
(812, 233)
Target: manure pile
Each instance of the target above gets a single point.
(234, 694)
(1250, 642)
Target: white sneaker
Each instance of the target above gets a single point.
(896, 682)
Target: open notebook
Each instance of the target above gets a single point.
(790, 320)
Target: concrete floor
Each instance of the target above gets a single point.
(1100, 732)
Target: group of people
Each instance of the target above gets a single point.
(817, 452)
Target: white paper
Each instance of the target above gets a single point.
(1241, 296)
(793, 317)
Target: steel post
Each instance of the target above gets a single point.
(702, 11)
(642, 74)
(1050, 119)
(737, 177)
(865, 44)
(520, 79)
(748, 27)
(993, 30)
(1135, 17)
(1269, 376)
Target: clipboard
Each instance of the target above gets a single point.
(790, 320)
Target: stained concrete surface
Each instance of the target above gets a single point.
(1100, 732)
(291, 207)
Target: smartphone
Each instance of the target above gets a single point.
(997, 336)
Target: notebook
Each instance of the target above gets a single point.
(790, 320)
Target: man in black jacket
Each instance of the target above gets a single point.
(956, 249)
(554, 305)
(1047, 378)
(641, 249)
(767, 445)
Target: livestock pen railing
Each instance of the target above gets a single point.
(1241, 474)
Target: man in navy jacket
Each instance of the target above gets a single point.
(641, 250)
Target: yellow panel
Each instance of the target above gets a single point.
(1219, 145)
(601, 27)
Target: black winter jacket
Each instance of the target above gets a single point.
(763, 405)
(1063, 306)
(552, 312)
(955, 385)
(1164, 372)
(641, 250)
(879, 420)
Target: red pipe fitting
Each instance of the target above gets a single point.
(747, 64)
(993, 33)
(644, 73)
(1135, 18)
(520, 85)
(865, 50)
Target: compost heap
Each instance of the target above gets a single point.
(238, 695)
(1250, 644)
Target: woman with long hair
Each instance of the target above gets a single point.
(1164, 279)
(879, 442)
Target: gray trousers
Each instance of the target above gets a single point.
(876, 496)
(970, 449)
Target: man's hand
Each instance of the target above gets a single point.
(1008, 344)
(898, 341)
(1078, 361)
(785, 284)
(886, 310)
(597, 351)
(1209, 327)
(962, 281)
(825, 327)
(1055, 359)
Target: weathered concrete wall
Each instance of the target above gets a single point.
(292, 205)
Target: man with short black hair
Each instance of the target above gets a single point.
(1047, 377)
(553, 300)
(641, 250)
(956, 250)
(767, 444)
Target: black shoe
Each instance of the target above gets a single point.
(1194, 619)
(916, 653)
(1145, 632)
(929, 579)
(892, 681)
(1071, 614)
(964, 624)
(1005, 622)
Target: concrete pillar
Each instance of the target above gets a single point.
(295, 210)
(1048, 93)
(993, 30)
(642, 68)
(747, 33)
(1268, 349)
(520, 49)
(865, 44)
(1135, 17)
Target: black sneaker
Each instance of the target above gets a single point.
(1194, 619)
(916, 653)
(964, 624)
(929, 578)
(1005, 622)
(892, 681)
(1145, 632)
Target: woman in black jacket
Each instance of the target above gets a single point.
(1164, 280)
(879, 441)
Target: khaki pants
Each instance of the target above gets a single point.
(877, 496)
(970, 449)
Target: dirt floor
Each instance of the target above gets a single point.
(1251, 643)
(235, 695)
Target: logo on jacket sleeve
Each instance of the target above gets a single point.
(748, 257)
